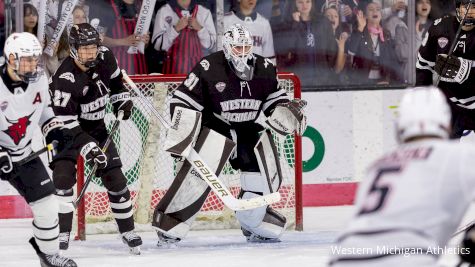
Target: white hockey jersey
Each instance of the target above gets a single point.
(260, 30)
(409, 205)
(164, 34)
(20, 113)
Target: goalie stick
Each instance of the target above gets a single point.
(205, 172)
(94, 168)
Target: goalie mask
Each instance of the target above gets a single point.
(26, 51)
(237, 48)
(469, 19)
(423, 112)
(83, 42)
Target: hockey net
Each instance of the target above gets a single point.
(150, 170)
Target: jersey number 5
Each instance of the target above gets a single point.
(378, 192)
(61, 99)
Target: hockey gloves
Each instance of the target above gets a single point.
(6, 165)
(122, 102)
(289, 117)
(93, 154)
(53, 130)
(452, 69)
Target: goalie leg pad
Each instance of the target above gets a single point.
(45, 224)
(263, 221)
(177, 209)
(181, 136)
(268, 160)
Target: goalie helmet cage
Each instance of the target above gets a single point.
(150, 170)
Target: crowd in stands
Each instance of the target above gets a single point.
(325, 42)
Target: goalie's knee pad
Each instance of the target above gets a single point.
(45, 224)
(64, 174)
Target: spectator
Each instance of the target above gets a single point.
(399, 31)
(423, 22)
(309, 46)
(347, 9)
(396, 8)
(30, 19)
(258, 26)
(119, 17)
(183, 29)
(341, 34)
(79, 15)
(374, 59)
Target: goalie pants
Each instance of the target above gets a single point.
(33, 182)
(113, 179)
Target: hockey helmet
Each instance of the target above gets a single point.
(23, 45)
(237, 48)
(423, 111)
(82, 35)
(468, 21)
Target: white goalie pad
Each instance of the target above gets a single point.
(181, 136)
(268, 160)
(288, 117)
(177, 209)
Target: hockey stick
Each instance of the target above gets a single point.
(94, 168)
(32, 156)
(205, 172)
(454, 43)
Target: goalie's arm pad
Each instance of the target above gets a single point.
(181, 136)
(288, 117)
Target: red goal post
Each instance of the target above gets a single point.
(149, 170)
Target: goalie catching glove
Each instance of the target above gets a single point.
(6, 165)
(94, 154)
(122, 102)
(288, 117)
(452, 68)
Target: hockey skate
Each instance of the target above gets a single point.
(51, 260)
(63, 241)
(253, 238)
(165, 240)
(132, 240)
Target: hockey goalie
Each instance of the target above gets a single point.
(214, 112)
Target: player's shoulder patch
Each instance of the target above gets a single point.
(205, 64)
(67, 76)
(103, 48)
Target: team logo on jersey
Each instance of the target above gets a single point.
(17, 129)
(4, 105)
(220, 86)
(442, 41)
(205, 64)
(68, 76)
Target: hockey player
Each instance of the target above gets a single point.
(25, 103)
(81, 88)
(405, 213)
(227, 90)
(457, 81)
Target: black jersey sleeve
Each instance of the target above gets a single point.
(277, 95)
(190, 93)
(108, 58)
(426, 57)
(65, 102)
